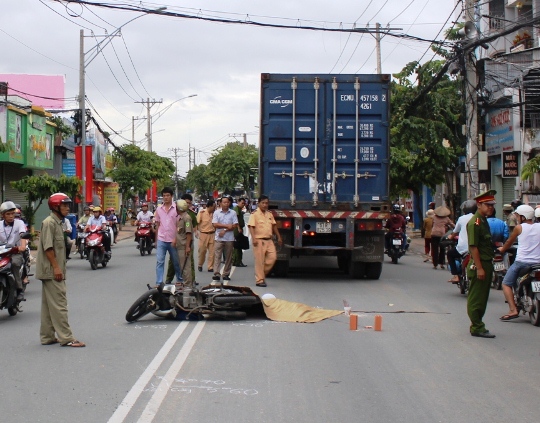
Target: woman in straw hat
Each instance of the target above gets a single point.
(441, 223)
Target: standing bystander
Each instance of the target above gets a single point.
(238, 253)
(262, 226)
(224, 221)
(184, 240)
(51, 270)
(427, 226)
(165, 218)
(206, 235)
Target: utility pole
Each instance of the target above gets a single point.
(82, 95)
(175, 150)
(243, 135)
(378, 46)
(149, 105)
(471, 124)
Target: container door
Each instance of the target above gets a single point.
(356, 141)
(292, 126)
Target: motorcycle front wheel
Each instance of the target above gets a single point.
(92, 259)
(141, 307)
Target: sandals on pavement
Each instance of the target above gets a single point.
(508, 317)
(74, 344)
(262, 284)
(56, 341)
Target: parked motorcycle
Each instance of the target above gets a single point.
(499, 267)
(171, 302)
(527, 293)
(80, 242)
(397, 246)
(143, 236)
(95, 249)
(8, 285)
(461, 265)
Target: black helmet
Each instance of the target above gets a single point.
(469, 206)
(396, 208)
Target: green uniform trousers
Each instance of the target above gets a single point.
(478, 297)
(54, 313)
(187, 274)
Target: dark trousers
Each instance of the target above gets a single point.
(453, 255)
(437, 252)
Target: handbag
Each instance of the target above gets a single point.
(241, 242)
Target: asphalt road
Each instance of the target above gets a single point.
(423, 367)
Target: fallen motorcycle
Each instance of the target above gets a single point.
(183, 303)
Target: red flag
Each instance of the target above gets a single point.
(78, 168)
(154, 191)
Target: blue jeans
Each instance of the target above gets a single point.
(161, 251)
(511, 277)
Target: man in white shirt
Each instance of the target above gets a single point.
(145, 216)
(468, 208)
(10, 235)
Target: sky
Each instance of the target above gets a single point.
(167, 59)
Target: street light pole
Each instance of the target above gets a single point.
(83, 115)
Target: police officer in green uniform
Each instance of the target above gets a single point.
(480, 267)
(184, 241)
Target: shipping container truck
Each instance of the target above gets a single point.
(324, 157)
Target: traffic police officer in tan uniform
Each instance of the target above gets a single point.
(261, 227)
(480, 267)
(51, 270)
(184, 238)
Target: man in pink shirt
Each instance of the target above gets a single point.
(165, 218)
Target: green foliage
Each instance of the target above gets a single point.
(40, 187)
(233, 165)
(135, 168)
(64, 130)
(530, 168)
(417, 153)
(198, 180)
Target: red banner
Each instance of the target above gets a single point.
(151, 193)
(78, 167)
(89, 174)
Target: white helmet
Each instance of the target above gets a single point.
(537, 212)
(526, 211)
(7, 206)
(182, 205)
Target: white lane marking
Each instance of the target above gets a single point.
(125, 406)
(153, 405)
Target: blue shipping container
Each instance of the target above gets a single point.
(324, 139)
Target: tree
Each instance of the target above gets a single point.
(40, 187)
(135, 168)
(233, 165)
(198, 180)
(425, 141)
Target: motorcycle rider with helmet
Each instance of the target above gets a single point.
(99, 220)
(113, 221)
(395, 223)
(145, 216)
(10, 234)
(528, 253)
(468, 208)
(84, 218)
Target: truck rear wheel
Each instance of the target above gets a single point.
(373, 270)
(281, 268)
(357, 269)
(343, 262)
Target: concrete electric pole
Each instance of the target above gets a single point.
(149, 105)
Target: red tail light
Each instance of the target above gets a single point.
(498, 258)
(370, 225)
(537, 276)
(284, 224)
